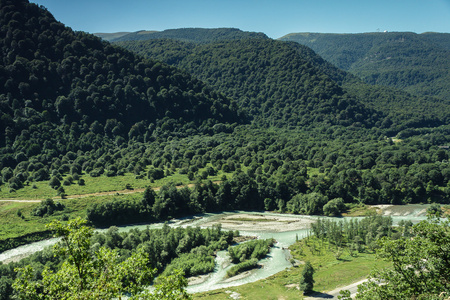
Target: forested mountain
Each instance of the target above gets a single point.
(277, 83)
(196, 35)
(283, 83)
(73, 105)
(68, 91)
(417, 63)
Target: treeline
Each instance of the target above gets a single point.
(357, 235)
(196, 35)
(164, 247)
(385, 172)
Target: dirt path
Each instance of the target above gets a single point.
(18, 200)
(353, 288)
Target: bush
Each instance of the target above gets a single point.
(47, 207)
(242, 267)
(54, 183)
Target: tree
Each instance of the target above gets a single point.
(434, 210)
(421, 265)
(94, 274)
(307, 280)
(333, 207)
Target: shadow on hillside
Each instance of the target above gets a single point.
(318, 295)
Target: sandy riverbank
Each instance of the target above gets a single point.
(256, 222)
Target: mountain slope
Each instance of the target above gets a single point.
(63, 89)
(196, 35)
(276, 82)
(289, 84)
(417, 63)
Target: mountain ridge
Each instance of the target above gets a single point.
(197, 35)
(417, 63)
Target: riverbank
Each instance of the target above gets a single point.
(261, 222)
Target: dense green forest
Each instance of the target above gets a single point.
(286, 84)
(66, 91)
(417, 63)
(75, 106)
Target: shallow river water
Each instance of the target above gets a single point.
(275, 262)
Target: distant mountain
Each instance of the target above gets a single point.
(196, 35)
(417, 63)
(110, 36)
(68, 91)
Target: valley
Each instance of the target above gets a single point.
(245, 132)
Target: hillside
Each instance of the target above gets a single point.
(76, 108)
(196, 35)
(416, 63)
(277, 84)
(283, 83)
(66, 91)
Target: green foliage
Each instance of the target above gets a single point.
(196, 35)
(83, 274)
(307, 278)
(197, 262)
(246, 255)
(282, 85)
(434, 211)
(334, 207)
(242, 267)
(420, 265)
(61, 85)
(47, 207)
(355, 233)
(252, 249)
(417, 63)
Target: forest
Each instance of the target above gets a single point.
(276, 111)
(264, 112)
(417, 63)
(244, 122)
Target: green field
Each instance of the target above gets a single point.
(41, 190)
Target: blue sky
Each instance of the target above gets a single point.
(274, 18)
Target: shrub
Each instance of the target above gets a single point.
(47, 207)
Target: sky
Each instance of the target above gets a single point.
(274, 18)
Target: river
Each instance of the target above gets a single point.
(285, 229)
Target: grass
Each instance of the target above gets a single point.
(330, 274)
(41, 190)
(357, 210)
(12, 225)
